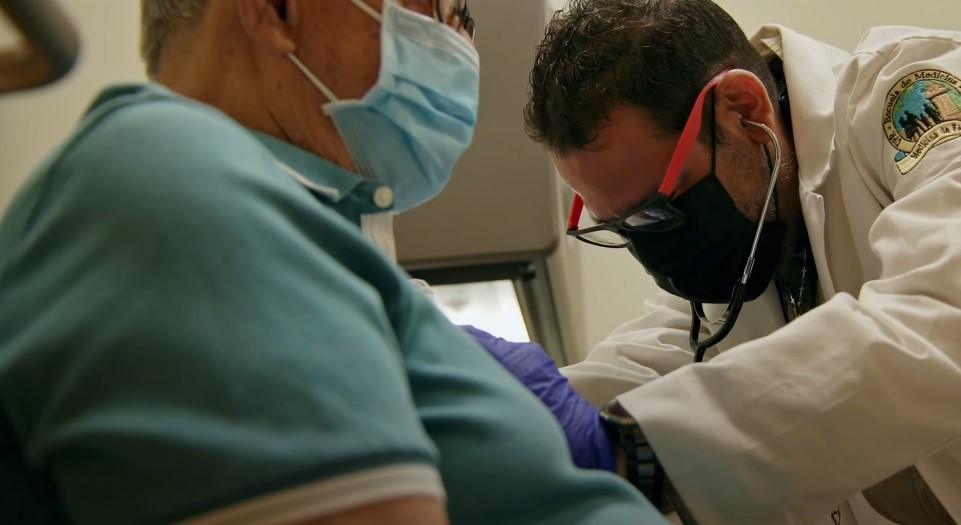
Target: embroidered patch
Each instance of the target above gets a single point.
(922, 111)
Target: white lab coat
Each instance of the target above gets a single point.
(790, 422)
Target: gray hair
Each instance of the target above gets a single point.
(160, 22)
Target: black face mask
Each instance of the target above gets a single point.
(704, 258)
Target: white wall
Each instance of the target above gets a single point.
(32, 124)
(9, 37)
(843, 22)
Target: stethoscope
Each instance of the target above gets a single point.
(729, 317)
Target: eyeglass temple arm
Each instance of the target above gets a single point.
(577, 207)
(691, 129)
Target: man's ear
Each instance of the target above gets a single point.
(741, 96)
(268, 23)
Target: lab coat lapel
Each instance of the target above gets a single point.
(810, 69)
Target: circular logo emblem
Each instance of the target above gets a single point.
(922, 111)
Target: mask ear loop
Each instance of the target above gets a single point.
(713, 131)
(697, 307)
(737, 297)
(312, 78)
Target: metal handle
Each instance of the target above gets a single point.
(51, 45)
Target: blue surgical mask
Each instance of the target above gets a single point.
(416, 122)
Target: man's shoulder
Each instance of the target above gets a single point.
(142, 145)
(146, 158)
(135, 126)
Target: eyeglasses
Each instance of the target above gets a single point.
(656, 214)
(457, 15)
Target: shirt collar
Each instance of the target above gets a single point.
(365, 202)
(351, 194)
(313, 172)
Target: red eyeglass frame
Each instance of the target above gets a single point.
(661, 201)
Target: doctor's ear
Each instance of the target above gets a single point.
(741, 96)
(268, 23)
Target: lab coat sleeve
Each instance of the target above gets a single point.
(636, 352)
(781, 429)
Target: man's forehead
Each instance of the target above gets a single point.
(427, 6)
(422, 6)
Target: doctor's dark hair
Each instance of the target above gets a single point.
(655, 55)
(161, 23)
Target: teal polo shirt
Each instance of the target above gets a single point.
(188, 325)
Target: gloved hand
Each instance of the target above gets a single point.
(591, 445)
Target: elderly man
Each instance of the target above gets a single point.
(804, 182)
(195, 328)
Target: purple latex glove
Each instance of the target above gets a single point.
(591, 445)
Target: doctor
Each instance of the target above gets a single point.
(806, 203)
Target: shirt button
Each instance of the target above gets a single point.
(384, 197)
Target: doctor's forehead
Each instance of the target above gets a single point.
(621, 167)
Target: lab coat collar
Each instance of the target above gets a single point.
(810, 69)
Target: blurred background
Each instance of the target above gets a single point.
(493, 243)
